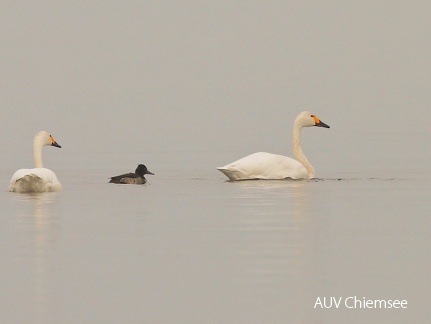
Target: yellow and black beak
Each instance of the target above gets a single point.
(319, 123)
(53, 142)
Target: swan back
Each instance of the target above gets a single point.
(266, 166)
(34, 180)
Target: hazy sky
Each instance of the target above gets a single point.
(219, 76)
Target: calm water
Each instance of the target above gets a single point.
(121, 83)
(190, 247)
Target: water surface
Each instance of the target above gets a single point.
(190, 246)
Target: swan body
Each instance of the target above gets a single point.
(38, 179)
(266, 166)
(132, 178)
(269, 166)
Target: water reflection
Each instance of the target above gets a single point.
(38, 215)
(271, 216)
(267, 184)
(273, 224)
(38, 226)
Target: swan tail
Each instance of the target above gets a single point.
(232, 174)
(28, 183)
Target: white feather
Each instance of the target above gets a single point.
(268, 166)
(38, 179)
(263, 165)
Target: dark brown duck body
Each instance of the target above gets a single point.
(132, 178)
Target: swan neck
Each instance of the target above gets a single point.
(37, 153)
(297, 151)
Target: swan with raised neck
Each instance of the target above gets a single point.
(38, 179)
(264, 165)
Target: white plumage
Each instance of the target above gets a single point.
(272, 166)
(264, 165)
(38, 179)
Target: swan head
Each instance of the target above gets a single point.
(43, 138)
(141, 170)
(307, 119)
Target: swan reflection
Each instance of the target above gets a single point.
(268, 184)
(271, 216)
(38, 224)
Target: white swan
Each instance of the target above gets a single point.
(271, 166)
(38, 179)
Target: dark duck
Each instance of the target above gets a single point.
(132, 178)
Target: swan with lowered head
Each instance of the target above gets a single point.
(269, 166)
(132, 178)
(38, 179)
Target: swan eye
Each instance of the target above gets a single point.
(312, 115)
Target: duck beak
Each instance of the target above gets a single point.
(149, 172)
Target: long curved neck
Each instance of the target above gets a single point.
(297, 151)
(37, 153)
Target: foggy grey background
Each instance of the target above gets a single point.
(146, 76)
(185, 87)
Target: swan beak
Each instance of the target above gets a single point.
(53, 142)
(319, 123)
